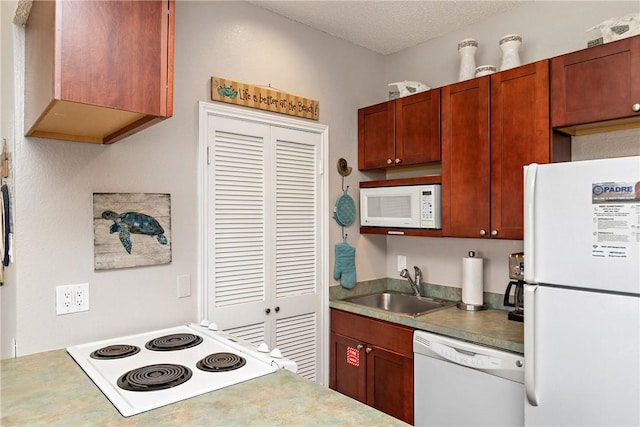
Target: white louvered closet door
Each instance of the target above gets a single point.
(263, 222)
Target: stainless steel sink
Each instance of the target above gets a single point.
(398, 302)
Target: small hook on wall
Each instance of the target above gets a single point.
(344, 170)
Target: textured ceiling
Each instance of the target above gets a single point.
(387, 26)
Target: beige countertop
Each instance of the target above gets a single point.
(486, 327)
(51, 389)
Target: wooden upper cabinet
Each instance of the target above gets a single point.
(418, 128)
(491, 128)
(404, 131)
(376, 142)
(465, 158)
(599, 84)
(520, 135)
(98, 71)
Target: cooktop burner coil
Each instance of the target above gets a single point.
(221, 362)
(174, 342)
(154, 377)
(116, 351)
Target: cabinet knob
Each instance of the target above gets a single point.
(483, 233)
(267, 310)
(368, 350)
(398, 161)
(635, 107)
(359, 347)
(494, 232)
(389, 161)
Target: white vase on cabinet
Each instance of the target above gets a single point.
(510, 44)
(467, 50)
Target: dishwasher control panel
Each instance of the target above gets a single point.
(490, 360)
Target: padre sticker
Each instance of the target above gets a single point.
(616, 218)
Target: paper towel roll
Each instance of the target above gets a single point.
(472, 280)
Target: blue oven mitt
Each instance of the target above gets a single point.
(345, 265)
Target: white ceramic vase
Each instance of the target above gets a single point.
(510, 44)
(467, 50)
(485, 70)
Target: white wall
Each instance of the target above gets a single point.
(7, 292)
(55, 179)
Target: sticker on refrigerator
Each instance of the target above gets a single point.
(616, 218)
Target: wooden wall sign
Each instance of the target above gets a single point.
(263, 98)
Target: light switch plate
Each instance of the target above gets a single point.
(402, 262)
(184, 286)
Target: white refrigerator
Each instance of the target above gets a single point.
(582, 300)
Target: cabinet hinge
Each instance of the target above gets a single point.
(208, 155)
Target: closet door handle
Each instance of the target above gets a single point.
(277, 309)
(267, 310)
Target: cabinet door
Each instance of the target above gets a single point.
(268, 235)
(418, 128)
(114, 54)
(596, 84)
(376, 146)
(465, 158)
(519, 135)
(348, 371)
(389, 382)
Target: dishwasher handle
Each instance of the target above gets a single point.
(464, 357)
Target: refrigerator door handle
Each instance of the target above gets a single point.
(530, 173)
(530, 344)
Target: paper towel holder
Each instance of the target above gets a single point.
(471, 307)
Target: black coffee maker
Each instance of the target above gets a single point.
(516, 274)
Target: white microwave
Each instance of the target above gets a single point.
(410, 206)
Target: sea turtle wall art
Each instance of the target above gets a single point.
(131, 229)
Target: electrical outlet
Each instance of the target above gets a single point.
(72, 298)
(402, 262)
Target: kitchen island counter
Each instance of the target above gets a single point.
(51, 389)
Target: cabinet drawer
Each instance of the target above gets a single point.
(382, 334)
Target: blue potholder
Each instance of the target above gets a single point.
(345, 266)
(345, 210)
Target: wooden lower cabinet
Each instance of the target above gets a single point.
(372, 361)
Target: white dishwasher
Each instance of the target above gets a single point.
(457, 383)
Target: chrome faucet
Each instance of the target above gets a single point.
(415, 286)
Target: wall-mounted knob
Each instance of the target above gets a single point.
(494, 232)
(635, 107)
(267, 310)
(398, 161)
(483, 233)
(389, 161)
